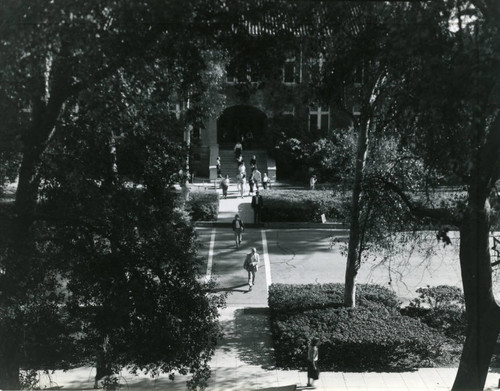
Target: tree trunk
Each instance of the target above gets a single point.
(9, 361)
(483, 313)
(354, 248)
(19, 256)
(17, 271)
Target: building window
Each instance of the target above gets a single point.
(234, 75)
(289, 72)
(319, 118)
(316, 67)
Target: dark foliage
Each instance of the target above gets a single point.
(203, 206)
(373, 336)
(442, 308)
(300, 206)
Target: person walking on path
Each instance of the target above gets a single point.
(251, 182)
(224, 184)
(257, 204)
(251, 265)
(265, 181)
(238, 228)
(257, 178)
(312, 362)
(241, 184)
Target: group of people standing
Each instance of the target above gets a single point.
(255, 179)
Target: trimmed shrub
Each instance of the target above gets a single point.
(285, 298)
(441, 307)
(203, 205)
(372, 336)
(300, 205)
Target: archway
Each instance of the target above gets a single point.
(241, 121)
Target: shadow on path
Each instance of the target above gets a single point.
(232, 288)
(248, 336)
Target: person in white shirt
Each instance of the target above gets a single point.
(251, 265)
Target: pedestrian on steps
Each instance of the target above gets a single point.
(218, 166)
(238, 150)
(238, 228)
(251, 265)
(253, 161)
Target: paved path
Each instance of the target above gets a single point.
(244, 358)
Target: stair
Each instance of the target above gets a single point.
(229, 166)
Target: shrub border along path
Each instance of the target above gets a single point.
(374, 336)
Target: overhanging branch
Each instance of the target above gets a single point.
(438, 215)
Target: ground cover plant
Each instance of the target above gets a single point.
(372, 336)
(294, 205)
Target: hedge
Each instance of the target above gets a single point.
(203, 205)
(285, 298)
(372, 336)
(293, 205)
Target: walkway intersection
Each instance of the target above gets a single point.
(244, 359)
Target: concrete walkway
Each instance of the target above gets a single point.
(244, 359)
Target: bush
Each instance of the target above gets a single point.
(441, 307)
(372, 336)
(285, 298)
(300, 205)
(203, 205)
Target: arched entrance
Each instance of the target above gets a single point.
(241, 121)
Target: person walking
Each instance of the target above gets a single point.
(242, 168)
(257, 204)
(238, 228)
(253, 161)
(238, 150)
(218, 165)
(257, 178)
(251, 265)
(312, 362)
(241, 184)
(265, 181)
(224, 184)
(251, 182)
(312, 182)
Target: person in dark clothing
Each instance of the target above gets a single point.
(238, 228)
(219, 171)
(251, 181)
(253, 161)
(224, 184)
(257, 204)
(238, 150)
(312, 362)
